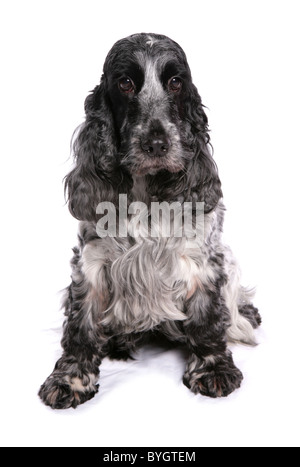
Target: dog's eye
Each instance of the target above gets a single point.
(126, 85)
(175, 84)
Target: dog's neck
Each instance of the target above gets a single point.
(149, 189)
(139, 191)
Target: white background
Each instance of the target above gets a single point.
(244, 57)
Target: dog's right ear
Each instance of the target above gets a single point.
(96, 173)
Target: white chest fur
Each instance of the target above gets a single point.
(149, 280)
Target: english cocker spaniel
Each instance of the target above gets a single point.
(150, 259)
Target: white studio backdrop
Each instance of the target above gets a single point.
(244, 57)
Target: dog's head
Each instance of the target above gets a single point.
(144, 119)
(149, 86)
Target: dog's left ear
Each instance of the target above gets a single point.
(204, 178)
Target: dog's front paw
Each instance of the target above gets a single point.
(218, 380)
(218, 384)
(60, 391)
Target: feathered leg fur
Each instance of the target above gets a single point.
(75, 376)
(210, 369)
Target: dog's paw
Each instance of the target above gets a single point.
(60, 391)
(217, 384)
(251, 314)
(215, 381)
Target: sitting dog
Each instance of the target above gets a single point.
(145, 143)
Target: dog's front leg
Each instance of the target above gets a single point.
(210, 369)
(75, 376)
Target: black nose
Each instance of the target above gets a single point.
(156, 146)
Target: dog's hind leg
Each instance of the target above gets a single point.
(251, 313)
(244, 316)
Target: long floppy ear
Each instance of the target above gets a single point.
(96, 173)
(204, 178)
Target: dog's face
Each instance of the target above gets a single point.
(149, 80)
(145, 118)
